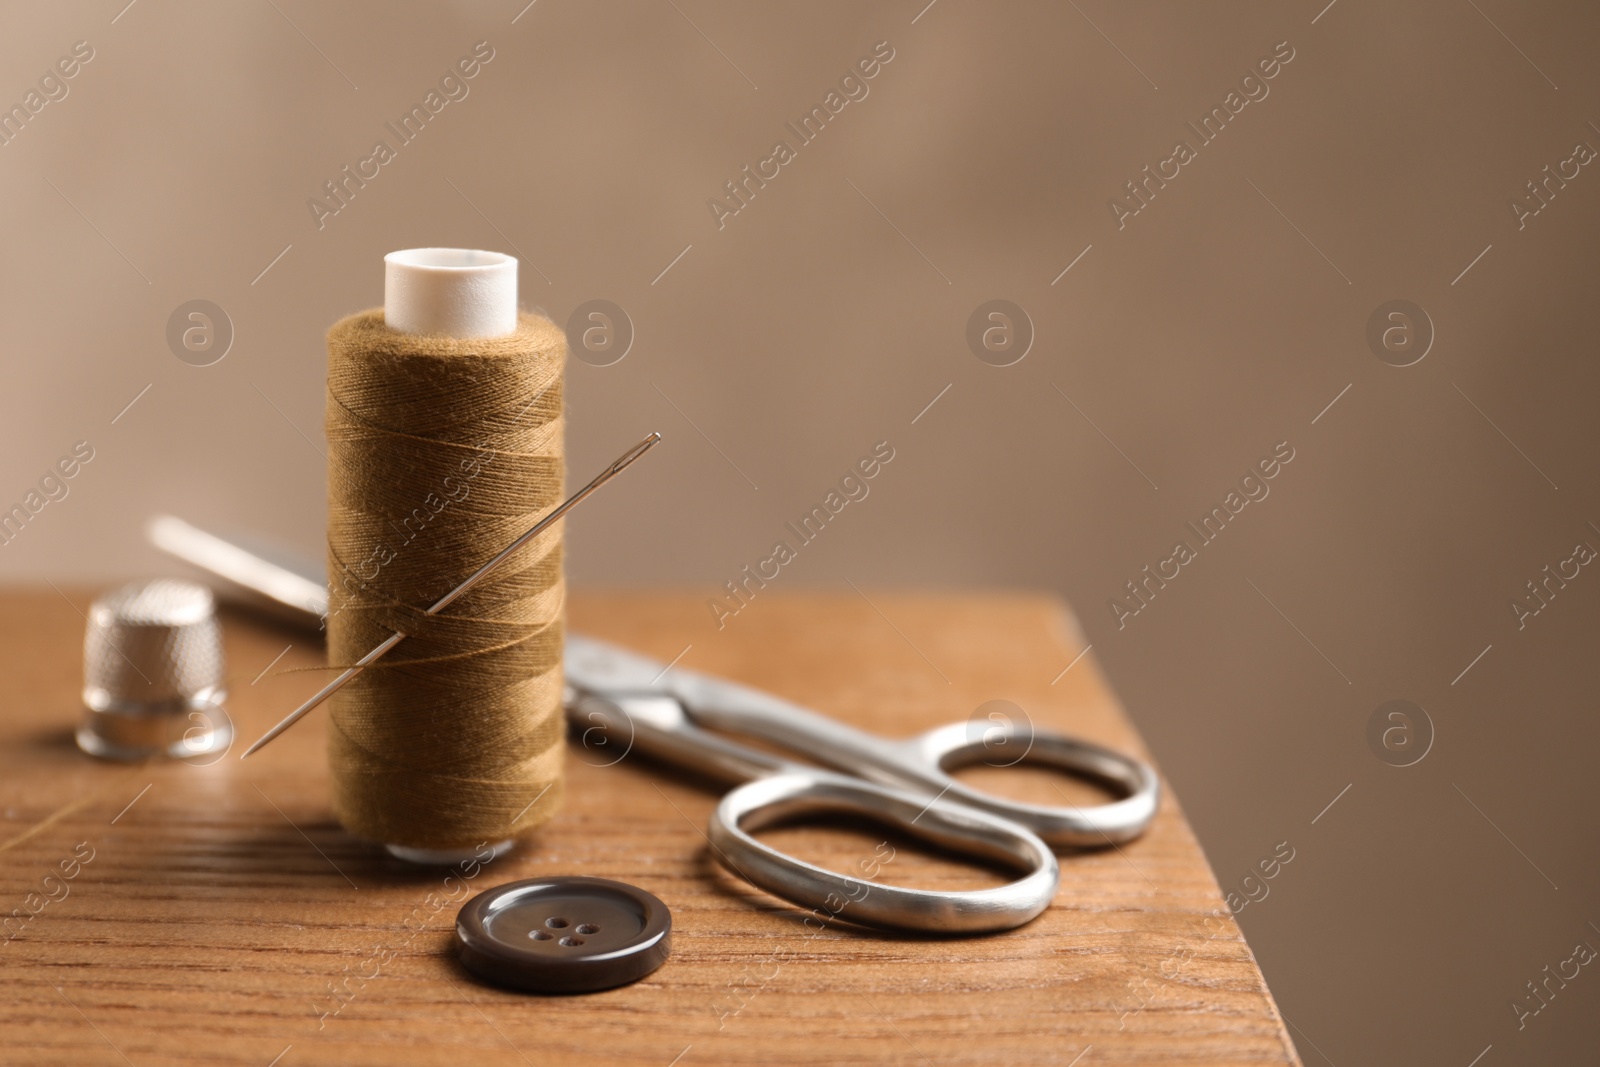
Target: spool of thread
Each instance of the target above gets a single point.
(445, 441)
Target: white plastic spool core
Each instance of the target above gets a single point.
(450, 292)
(448, 857)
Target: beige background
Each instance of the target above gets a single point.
(1222, 320)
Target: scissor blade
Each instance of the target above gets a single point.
(597, 667)
(605, 669)
(302, 597)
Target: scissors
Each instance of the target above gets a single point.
(680, 716)
(671, 714)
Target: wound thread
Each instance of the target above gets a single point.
(440, 453)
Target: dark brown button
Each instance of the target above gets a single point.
(563, 935)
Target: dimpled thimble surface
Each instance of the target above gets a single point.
(152, 673)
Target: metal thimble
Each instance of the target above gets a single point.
(152, 674)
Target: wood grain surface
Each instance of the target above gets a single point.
(217, 914)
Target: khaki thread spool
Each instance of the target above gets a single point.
(445, 436)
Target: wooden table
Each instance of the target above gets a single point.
(219, 915)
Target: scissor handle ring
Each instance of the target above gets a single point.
(951, 747)
(966, 831)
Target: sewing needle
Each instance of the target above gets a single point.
(449, 598)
